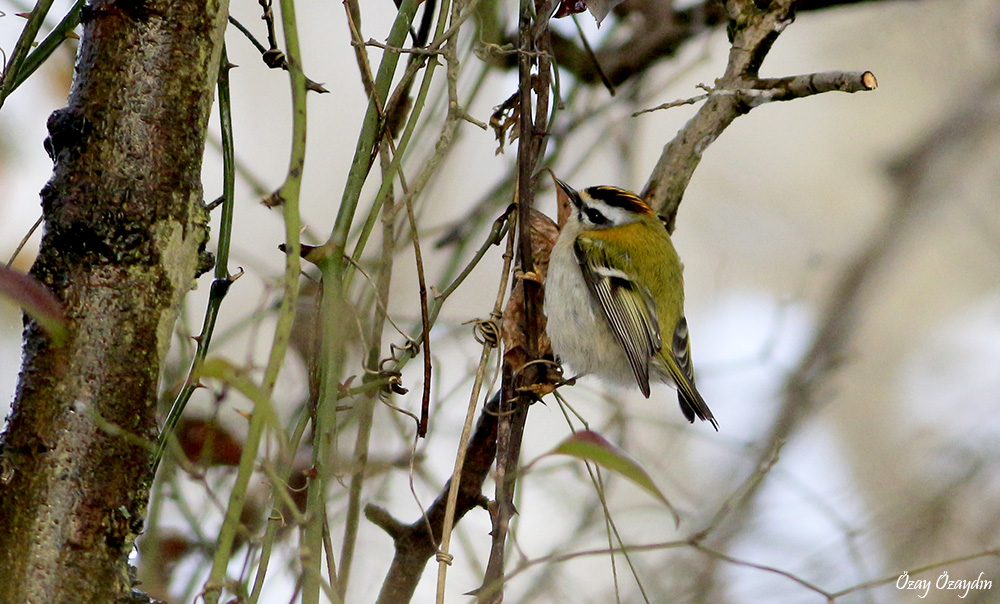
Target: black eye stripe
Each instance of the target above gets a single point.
(595, 216)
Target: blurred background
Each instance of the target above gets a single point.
(842, 266)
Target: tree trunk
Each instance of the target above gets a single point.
(125, 232)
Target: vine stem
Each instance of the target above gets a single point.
(443, 555)
(289, 197)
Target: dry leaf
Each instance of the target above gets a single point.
(569, 7)
(503, 120)
(598, 8)
(208, 443)
(543, 233)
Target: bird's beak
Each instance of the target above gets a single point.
(565, 188)
(567, 199)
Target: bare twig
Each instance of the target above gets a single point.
(533, 91)
(273, 57)
(659, 31)
(678, 103)
(24, 241)
(766, 90)
(489, 344)
(593, 57)
(738, 91)
(992, 552)
(846, 299)
(425, 333)
(831, 596)
(415, 51)
(416, 543)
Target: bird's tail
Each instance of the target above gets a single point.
(678, 361)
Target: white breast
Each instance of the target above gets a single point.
(579, 332)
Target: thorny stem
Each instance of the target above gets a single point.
(367, 403)
(289, 196)
(222, 280)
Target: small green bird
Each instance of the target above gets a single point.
(614, 285)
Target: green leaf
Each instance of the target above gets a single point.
(36, 300)
(591, 446)
(229, 374)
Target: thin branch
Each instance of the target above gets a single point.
(11, 75)
(420, 50)
(425, 334)
(223, 279)
(289, 196)
(739, 90)
(24, 241)
(490, 342)
(991, 552)
(248, 34)
(657, 35)
(766, 90)
(416, 543)
(272, 57)
(593, 57)
(367, 408)
(838, 321)
(534, 85)
(59, 34)
(678, 103)
(334, 267)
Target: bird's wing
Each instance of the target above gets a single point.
(627, 305)
(678, 362)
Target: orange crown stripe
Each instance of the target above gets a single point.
(615, 197)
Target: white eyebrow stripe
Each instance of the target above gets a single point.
(617, 216)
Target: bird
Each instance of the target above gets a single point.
(615, 291)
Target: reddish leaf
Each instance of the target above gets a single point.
(598, 8)
(36, 300)
(208, 443)
(591, 446)
(569, 7)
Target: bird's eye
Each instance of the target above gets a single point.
(594, 216)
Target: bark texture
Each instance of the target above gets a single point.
(125, 232)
